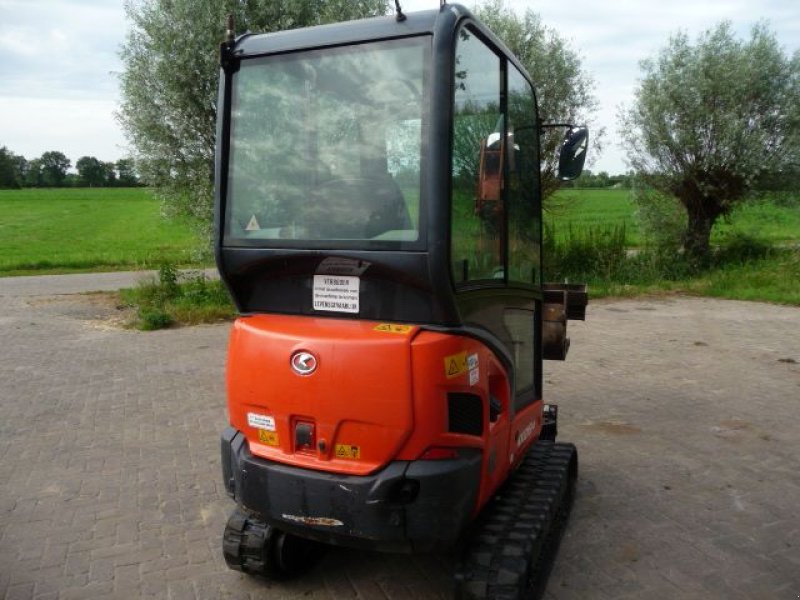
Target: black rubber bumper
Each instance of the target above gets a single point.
(414, 506)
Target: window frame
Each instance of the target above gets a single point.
(425, 41)
(505, 65)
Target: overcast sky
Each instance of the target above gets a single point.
(58, 88)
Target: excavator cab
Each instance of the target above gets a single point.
(378, 225)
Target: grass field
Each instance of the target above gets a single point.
(580, 209)
(63, 230)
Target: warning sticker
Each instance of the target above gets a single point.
(348, 451)
(252, 224)
(474, 376)
(472, 361)
(270, 438)
(337, 293)
(394, 328)
(261, 421)
(455, 365)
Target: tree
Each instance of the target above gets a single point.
(710, 119)
(91, 171)
(109, 174)
(54, 167)
(563, 88)
(10, 177)
(126, 173)
(33, 178)
(169, 83)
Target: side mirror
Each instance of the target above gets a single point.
(573, 153)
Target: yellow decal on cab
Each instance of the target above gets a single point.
(455, 365)
(270, 438)
(348, 451)
(394, 328)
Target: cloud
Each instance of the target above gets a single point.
(76, 127)
(58, 90)
(56, 49)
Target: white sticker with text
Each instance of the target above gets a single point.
(264, 422)
(338, 293)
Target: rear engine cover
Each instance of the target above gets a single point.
(347, 381)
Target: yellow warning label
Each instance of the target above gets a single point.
(455, 365)
(394, 328)
(348, 451)
(270, 438)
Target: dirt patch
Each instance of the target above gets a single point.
(611, 427)
(735, 430)
(100, 309)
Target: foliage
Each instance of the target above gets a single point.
(33, 176)
(12, 169)
(54, 166)
(564, 90)
(741, 248)
(661, 221)
(588, 179)
(176, 297)
(710, 119)
(95, 173)
(57, 230)
(583, 253)
(126, 173)
(169, 84)
(50, 170)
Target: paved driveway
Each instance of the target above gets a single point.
(686, 413)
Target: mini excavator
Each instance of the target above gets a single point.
(379, 225)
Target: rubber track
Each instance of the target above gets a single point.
(511, 549)
(244, 545)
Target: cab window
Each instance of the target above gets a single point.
(477, 173)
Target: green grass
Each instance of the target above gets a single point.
(175, 298)
(771, 279)
(757, 250)
(63, 230)
(579, 209)
(763, 220)
(583, 209)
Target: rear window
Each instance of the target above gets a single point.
(326, 147)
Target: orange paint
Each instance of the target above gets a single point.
(371, 396)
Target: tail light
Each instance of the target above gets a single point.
(305, 436)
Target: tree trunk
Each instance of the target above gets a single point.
(697, 243)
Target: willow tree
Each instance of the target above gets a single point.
(169, 84)
(711, 119)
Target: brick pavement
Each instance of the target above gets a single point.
(685, 413)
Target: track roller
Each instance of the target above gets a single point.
(510, 552)
(255, 548)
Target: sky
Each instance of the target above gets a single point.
(59, 65)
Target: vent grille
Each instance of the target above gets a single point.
(465, 414)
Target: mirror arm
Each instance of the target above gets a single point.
(543, 126)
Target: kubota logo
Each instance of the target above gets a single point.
(304, 363)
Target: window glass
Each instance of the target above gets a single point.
(325, 145)
(477, 173)
(520, 324)
(524, 229)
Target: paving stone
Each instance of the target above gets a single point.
(690, 458)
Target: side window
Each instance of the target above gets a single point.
(524, 228)
(520, 326)
(477, 173)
